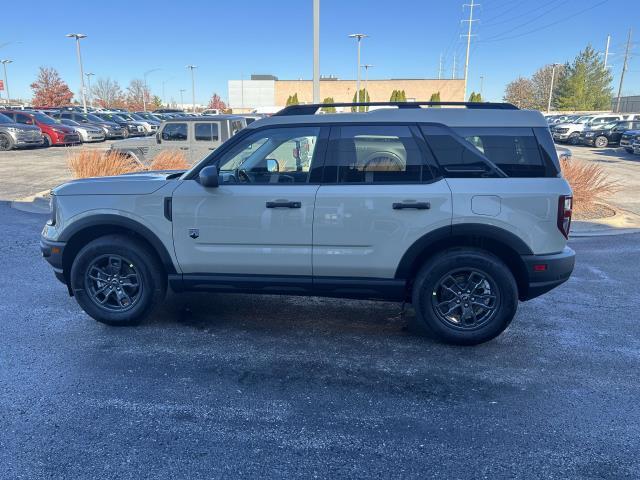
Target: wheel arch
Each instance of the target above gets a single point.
(503, 244)
(84, 231)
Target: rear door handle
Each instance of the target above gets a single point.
(184, 148)
(283, 204)
(415, 205)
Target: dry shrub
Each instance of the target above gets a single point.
(590, 184)
(169, 160)
(94, 163)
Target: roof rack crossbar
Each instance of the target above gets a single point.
(312, 108)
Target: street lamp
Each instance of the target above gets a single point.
(366, 67)
(89, 75)
(6, 83)
(359, 37)
(193, 87)
(79, 36)
(144, 93)
(182, 90)
(553, 74)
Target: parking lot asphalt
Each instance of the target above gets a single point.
(284, 387)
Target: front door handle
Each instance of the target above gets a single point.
(283, 204)
(415, 205)
(184, 148)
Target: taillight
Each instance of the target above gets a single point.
(565, 207)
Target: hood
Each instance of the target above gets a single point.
(129, 184)
(136, 142)
(20, 126)
(631, 132)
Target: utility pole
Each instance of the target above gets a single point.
(453, 73)
(440, 68)
(606, 51)
(146, 89)
(89, 75)
(182, 90)
(316, 51)
(553, 74)
(481, 84)
(366, 67)
(471, 6)
(359, 37)
(624, 69)
(193, 87)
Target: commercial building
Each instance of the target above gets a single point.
(627, 104)
(267, 92)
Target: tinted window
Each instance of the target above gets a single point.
(5, 119)
(206, 132)
(174, 132)
(22, 118)
(236, 126)
(277, 155)
(514, 150)
(375, 154)
(457, 157)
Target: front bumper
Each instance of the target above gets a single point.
(561, 137)
(52, 252)
(546, 272)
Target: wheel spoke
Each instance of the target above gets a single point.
(116, 264)
(113, 282)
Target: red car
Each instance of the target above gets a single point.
(54, 133)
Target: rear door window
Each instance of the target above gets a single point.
(206, 132)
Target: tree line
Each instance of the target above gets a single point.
(581, 85)
(49, 90)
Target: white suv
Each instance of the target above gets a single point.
(460, 211)
(570, 132)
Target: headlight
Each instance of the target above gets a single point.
(13, 130)
(57, 130)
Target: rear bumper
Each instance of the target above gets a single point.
(52, 253)
(546, 272)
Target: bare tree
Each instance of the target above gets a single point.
(542, 84)
(521, 93)
(136, 91)
(107, 93)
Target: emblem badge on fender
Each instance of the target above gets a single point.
(194, 233)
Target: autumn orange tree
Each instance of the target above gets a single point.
(49, 90)
(216, 102)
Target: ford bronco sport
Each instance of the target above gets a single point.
(460, 211)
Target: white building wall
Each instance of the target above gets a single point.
(250, 94)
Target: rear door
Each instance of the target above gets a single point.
(205, 139)
(379, 195)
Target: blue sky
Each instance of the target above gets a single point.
(230, 39)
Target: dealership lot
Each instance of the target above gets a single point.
(236, 385)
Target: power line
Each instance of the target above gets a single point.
(525, 14)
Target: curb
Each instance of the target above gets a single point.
(38, 203)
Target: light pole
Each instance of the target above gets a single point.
(553, 74)
(481, 84)
(366, 67)
(6, 83)
(89, 75)
(78, 36)
(164, 82)
(193, 87)
(144, 93)
(182, 90)
(358, 37)
(316, 51)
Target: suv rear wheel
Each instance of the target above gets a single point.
(6, 142)
(464, 296)
(117, 280)
(601, 142)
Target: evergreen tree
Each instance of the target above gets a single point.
(328, 109)
(435, 97)
(292, 99)
(364, 97)
(394, 96)
(586, 84)
(402, 96)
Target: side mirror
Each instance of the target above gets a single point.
(209, 177)
(272, 165)
(158, 140)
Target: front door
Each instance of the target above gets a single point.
(378, 197)
(174, 138)
(259, 220)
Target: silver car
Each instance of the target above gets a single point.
(88, 133)
(18, 135)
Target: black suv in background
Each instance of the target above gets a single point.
(608, 134)
(111, 129)
(131, 128)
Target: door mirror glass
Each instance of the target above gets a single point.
(272, 165)
(209, 177)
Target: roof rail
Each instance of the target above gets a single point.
(312, 108)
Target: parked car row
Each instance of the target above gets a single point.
(597, 130)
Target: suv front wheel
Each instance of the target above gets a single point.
(117, 280)
(464, 296)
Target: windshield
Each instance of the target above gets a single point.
(114, 118)
(125, 116)
(42, 118)
(5, 119)
(584, 119)
(93, 118)
(66, 121)
(135, 116)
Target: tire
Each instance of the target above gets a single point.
(47, 140)
(125, 133)
(574, 139)
(140, 278)
(464, 325)
(601, 142)
(6, 142)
